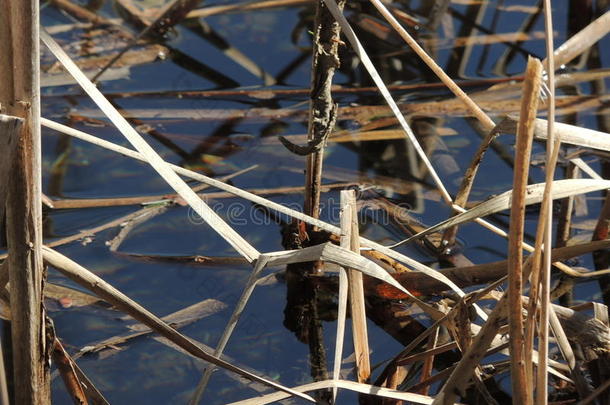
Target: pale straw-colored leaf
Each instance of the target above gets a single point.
(570, 134)
(561, 189)
(343, 384)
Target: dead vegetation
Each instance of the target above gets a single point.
(467, 326)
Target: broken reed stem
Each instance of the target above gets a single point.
(545, 271)
(521, 385)
(541, 237)
(356, 297)
(20, 96)
(322, 109)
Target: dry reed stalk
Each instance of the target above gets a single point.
(20, 96)
(169, 198)
(246, 6)
(356, 297)
(466, 276)
(428, 366)
(81, 12)
(580, 42)
(10, 128)
(545, 271)
(521, 384)
(4, 395)
(149, 199)
(543, 227)
(570, 134)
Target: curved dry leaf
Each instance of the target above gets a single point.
(561, 189)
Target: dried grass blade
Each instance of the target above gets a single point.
(94, 395)
(570, 134)
(92, 282)
(366, 61)
(521, 384)
(545, 270)
(582, 41)
(349, 385)
(164, 170)
(534, 193)
(230, 326)
(65, 365)
(342, 257)
(177, 319)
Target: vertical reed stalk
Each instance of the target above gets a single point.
(521, 385)
(545, 271)
(20, 97)
(356, 299)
